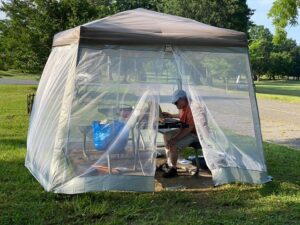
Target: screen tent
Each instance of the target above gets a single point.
(112, 74)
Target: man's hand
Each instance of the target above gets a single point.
(166, 114)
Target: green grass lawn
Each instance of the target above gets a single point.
(287, 91)
(15, 74)
(23, 201)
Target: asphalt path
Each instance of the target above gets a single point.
(12, 81)
(280, 122)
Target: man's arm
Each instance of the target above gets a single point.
(170, 115)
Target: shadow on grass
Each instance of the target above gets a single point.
(286, 88)
(278, 82)
(14, 73)
(5, 74)
(34, 89)
(292, 142)
(283, 165)
(13, 143)
(270, 188)
(294, 93)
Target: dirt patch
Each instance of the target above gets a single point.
(184, 181)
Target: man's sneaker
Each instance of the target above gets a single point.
(172, 172)
(163, 167)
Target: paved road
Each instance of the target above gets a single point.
(280, 122)
(17, 81)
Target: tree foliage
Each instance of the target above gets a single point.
(231, 14)
(283, 13)
(260, 48)
(26, 34)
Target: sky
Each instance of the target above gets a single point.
(260, 17)
(2, 15)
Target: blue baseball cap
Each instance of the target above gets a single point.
(177, 95)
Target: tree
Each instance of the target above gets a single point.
(260, 47)
(281, 64)
(27, 33)
(283, 13)
(267, 58)
(283, 58)
(296, 60)
(17, 51)
(121, 5)
(231, 14)
(257, 32)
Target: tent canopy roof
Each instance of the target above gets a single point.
(141, 26)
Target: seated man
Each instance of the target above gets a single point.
(180, 138)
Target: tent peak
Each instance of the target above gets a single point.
(142, 26)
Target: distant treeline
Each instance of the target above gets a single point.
(280, 60)
(27, 32)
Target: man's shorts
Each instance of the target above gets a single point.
(184, 142)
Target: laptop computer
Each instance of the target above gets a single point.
(166, 119)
